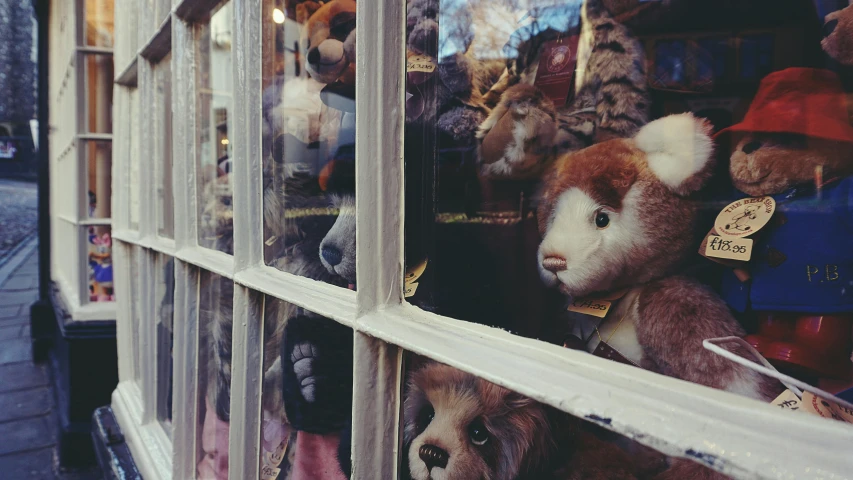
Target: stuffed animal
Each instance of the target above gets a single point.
(526, 130)
(796, 145)
(455, 107)
(838, 40)
(458, 426)
(328, 38)
(618, 224)
(101, 267)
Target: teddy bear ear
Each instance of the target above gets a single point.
(679, 151)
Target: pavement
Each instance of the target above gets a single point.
(28, 418)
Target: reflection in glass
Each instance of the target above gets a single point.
(164, 292)
(133, 160)
(135, 322)
(307, 392)
(99, 93)
(214, 382)
(165, 194)
(309, 140)
(99, 23)
(214, 77)
(99, 178)
(100, 263)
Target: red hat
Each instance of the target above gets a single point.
(805, 101)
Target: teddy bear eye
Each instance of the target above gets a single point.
(478, 433)
(425, 416)
(602, 220)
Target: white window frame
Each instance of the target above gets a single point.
(736, 435)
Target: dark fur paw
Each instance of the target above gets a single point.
(316, 360)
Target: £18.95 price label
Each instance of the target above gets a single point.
(729, 248)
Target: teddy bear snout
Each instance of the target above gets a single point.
(829, 27)
(554, 263)
(433, 456)
(751, 147)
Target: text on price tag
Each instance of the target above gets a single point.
(730, 248)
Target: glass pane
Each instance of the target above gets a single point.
(457, 425)
(100, 263)
(539, 180)
(134, 159)
(164, 293)
(99, 23)
(307, 392)
(99, 93)
(99, 161)
(214, 77)
(135, 318)
(212, 430)
(165, 194)
(309, 139)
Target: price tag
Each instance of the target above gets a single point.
(420, 63)
(826, 409)
(787, 401)
(730, 248)
(269, 473)
(591, 306)
(745, 216)
(270, 241)
(409, 289)
(415, 272)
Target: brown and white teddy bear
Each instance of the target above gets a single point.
(619, 217)
(460, 427)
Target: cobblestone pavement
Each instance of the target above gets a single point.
(28, 417)
(18, 213)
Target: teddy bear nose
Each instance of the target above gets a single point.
(554, 263)
(314, 55)
(331, 254)
(751, 147)
(829, 27)
(433, 456)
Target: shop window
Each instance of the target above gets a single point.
(164, 290)
(309, 140)
(214, 376)
(99, 93)
(165, 195)
(99, 178)
(100, 266)
(215, 100)
(99, 31)
(527, 229)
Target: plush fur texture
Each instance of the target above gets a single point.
(479, 430)
(328, 37)
(838, 40)
(611, 98)
(770, 163)
(642, 185)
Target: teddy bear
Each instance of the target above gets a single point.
(838, 36)
(328, 38)
(526, 129)
(795, 145)
(458, 426)
(619, 223)
(444, 91)
(100, 267)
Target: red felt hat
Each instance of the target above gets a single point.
(806, 101)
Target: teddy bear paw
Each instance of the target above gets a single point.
(302, 357)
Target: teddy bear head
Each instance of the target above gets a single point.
(328, 38)
(620, 213)
(838, 36)
(458, 426)
(796, 131)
